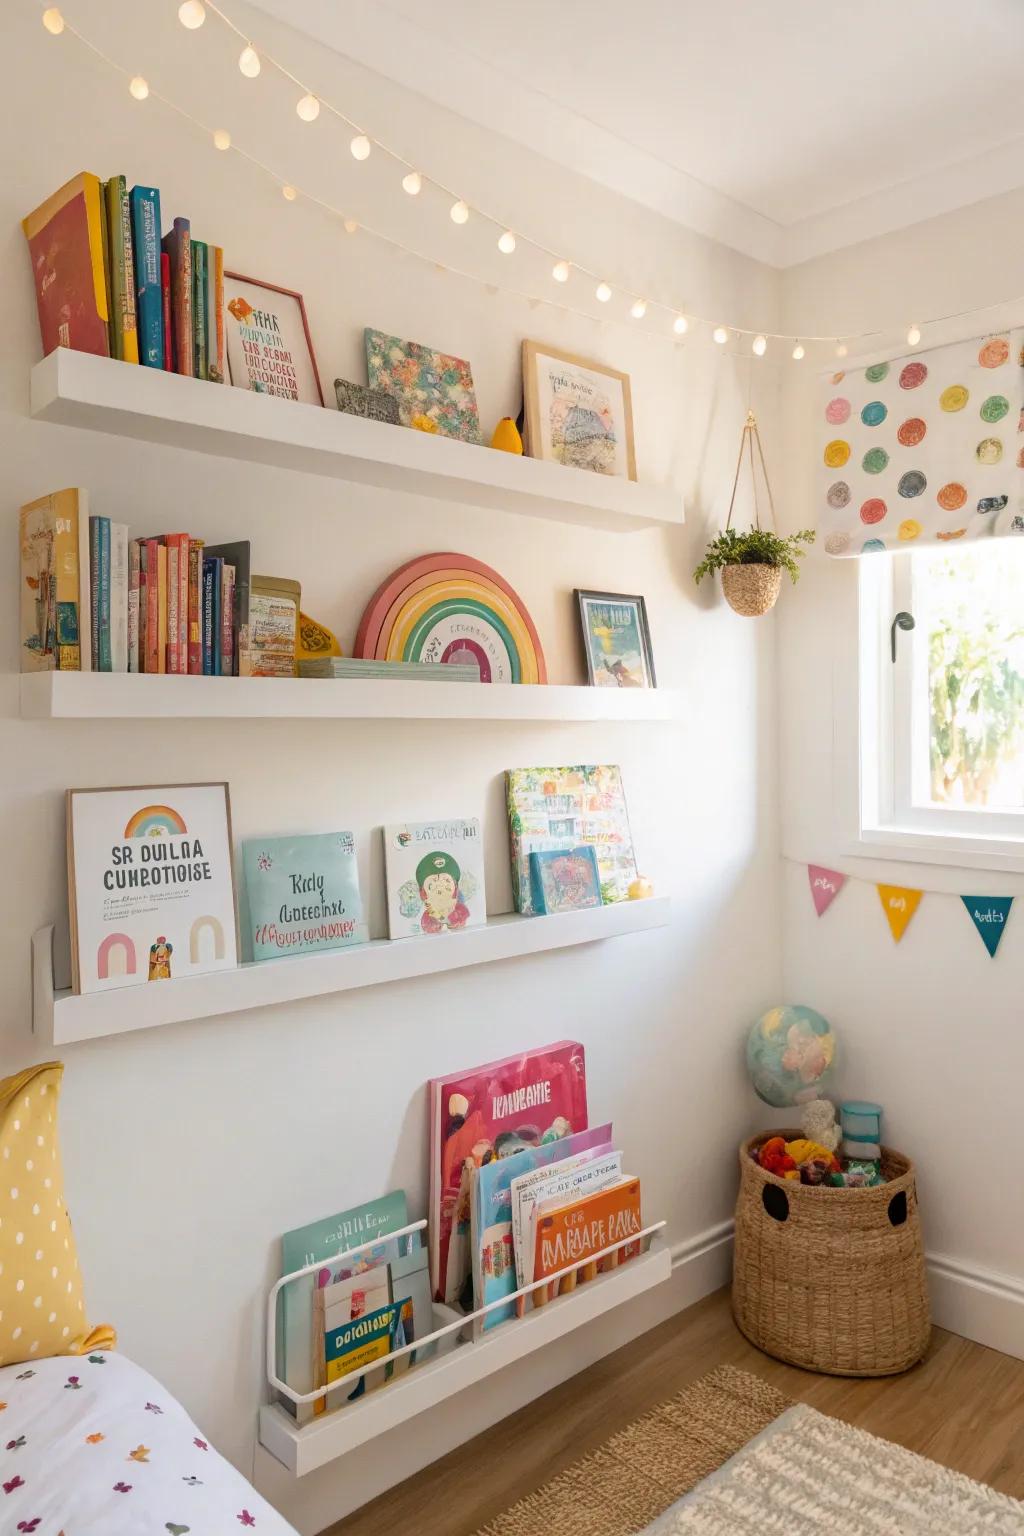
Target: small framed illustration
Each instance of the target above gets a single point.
(616, 640)
(577, 412)
(434, 390)
(270, 350)
(151, 887)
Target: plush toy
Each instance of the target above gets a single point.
(818, 1123)
(774, 1158)
(804, 1151)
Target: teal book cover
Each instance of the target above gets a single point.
(303, 894)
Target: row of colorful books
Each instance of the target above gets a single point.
(109, 281)
(521, 1191)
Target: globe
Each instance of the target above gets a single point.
(790, 1054)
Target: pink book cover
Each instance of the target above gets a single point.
(486, 1112)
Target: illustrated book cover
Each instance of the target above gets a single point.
(67, 249)
(435, 877)
(551, 809)
(564, 880)
(429, 386)
(576, 1231)
(303, 894)
(562, 1184)
(54, 583)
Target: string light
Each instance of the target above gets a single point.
(413, 183)
(350, 226)
(913, 336)
(560, 271)
(720, 334)
(507, 243)
(360, 147)
(249, 62)
(308, 107)
(759, 346)
(192, 14)
(53, 21)
(602, 293)
(639, 309)
(680, 325)
(842, 349)
(222, 139)
(139, 87)
(459, 212)
(798, 352)
(289, 193)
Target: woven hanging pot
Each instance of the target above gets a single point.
(751, 590)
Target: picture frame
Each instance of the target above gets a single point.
(361, 400)
(254, 351)
(577, 412)
(616, 640)
(151, 883)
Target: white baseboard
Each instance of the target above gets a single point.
(977, 1303)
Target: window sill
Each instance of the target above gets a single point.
(955, 850)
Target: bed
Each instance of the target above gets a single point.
(94, 1446)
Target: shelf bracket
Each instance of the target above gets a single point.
(42, 982)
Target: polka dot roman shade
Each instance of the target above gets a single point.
(924, 448)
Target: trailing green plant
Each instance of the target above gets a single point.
(756, 547)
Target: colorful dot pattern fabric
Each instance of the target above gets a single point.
(924, 449)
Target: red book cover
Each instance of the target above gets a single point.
(177, 601)
(486, 1112)
(165, 290)
(178, 246)
(195, 608)
(65, 242)
(152, 606)
(171, 651)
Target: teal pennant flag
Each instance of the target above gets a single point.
(989, 915)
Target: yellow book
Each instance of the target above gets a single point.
(161, 607)
(51, 589)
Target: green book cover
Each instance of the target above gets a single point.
(200, 350)
(303, 894)
(123, 331)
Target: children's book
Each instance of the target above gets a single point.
(564, 880)
(435, 877)
(194, 608)
(178, 246)
(491, 1204)
(303, 894)
(200, 360)
(166, 310)
(67, 251)
(212, 567)
(227, 632)
(360, 1343)
(55, 624)
(553, 809)
(121, 262)
(337, 1305)
(486, 1112)
(134, 588)
(563, 1183)
(99, 535)
(119, 597)
(574, 1232)
(215, 314)
(238, 554)
(145, 209)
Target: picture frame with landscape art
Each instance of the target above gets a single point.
(269, 347)
(616, 640)
(577, 412)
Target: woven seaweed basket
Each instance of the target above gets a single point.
(751, 590)
(831, 1279)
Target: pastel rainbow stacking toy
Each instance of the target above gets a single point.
(862, 1130)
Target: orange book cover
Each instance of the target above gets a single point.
(575, 1233)
(66, 246)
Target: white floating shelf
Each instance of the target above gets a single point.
(59, 1018)
(79, 390)
(334, 1434)
(134, 696)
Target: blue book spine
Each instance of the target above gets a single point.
(217, 659)
(106, 659)
(145, 203)
(94, 591)
(209, 575)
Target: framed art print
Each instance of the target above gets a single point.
(616, 640)
(577, 412)
(151, 889)
(434, 390)
(269, 347)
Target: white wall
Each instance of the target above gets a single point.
(189, 1149)
(931, 1027)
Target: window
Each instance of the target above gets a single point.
(942, 724)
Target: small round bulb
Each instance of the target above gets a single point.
(842, 349)
(720, 334)
(759, 346)
(638, 309)
(913, 336)
(507, 243)
(308, 107)
(459, 212)
(560, 271)
(249, 62)
(680, 325)
(289, 193)
(413, 183)
(53, 21)
(139, 87)
(192, 14)
(798, 351)
(602, 293)
(360, 147)
(221, 138)
(350, 226)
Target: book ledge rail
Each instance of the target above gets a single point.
(61, 1017)
(304, 1448)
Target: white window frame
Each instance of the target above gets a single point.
(875, 760)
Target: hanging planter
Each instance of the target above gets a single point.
(752, 563)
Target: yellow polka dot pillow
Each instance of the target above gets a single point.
(42, 1311)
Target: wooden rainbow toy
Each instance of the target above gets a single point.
(450, 608)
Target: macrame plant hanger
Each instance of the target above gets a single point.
(751, 590)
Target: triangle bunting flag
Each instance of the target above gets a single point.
(825, 886)
(899, 904)
(989, 915)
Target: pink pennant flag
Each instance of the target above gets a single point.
(825, 886)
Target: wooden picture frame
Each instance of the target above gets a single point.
(616, 640)
(577, 412)
(148, 801)
(272, 385)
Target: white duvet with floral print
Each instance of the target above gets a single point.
(94, 1446)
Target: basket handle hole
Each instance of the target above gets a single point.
(898, 1209)
(776, 1202)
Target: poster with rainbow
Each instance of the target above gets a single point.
(151, 889)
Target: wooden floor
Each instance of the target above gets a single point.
(962, 1406)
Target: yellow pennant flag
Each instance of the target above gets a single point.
(899, 904)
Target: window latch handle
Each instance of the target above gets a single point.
(903, 620)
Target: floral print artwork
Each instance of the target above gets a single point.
(425, 383)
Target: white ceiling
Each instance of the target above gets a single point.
(784, 127)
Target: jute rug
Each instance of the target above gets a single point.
(730, 1456)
